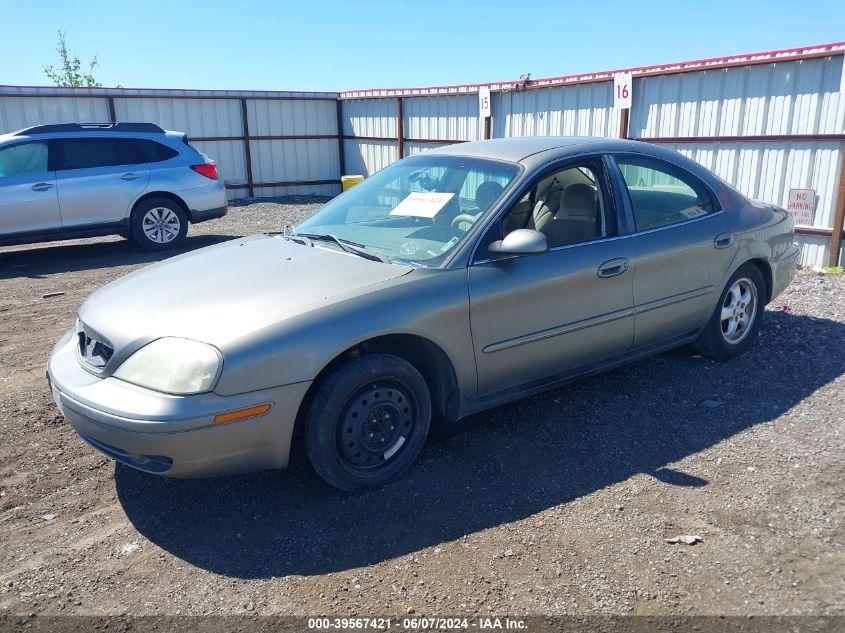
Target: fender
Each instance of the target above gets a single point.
(768, 219)
(298, 349)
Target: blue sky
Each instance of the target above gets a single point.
(327, 45)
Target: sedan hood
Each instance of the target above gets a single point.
(220, 293)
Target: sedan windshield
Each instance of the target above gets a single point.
(415, 211)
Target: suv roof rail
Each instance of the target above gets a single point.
(90, 127)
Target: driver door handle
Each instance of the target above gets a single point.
(723, 240)
(613, 267)
(129, 176)
(42, 186)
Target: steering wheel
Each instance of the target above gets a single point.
(463, 218)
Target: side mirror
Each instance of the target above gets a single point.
(521, 242)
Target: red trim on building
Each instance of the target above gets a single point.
(745, 59)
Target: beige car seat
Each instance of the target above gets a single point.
(575, 219)
(545, 208)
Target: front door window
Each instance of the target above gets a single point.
(23, 159)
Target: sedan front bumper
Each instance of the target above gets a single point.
(172, 435)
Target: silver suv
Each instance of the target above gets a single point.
(72, 180)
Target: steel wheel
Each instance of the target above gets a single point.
(739, 310)
(161, 225)
(375, 424)
(367, 422)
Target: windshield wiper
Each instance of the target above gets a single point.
(289, 234)
(346, 245)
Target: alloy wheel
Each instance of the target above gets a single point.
(161, 225)
(739, 310)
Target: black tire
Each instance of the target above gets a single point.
(715, 340)
(368, 422)
(173, 227)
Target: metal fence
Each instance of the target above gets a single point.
(265, 143)
(766, 122)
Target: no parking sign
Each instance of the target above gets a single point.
(802, 205)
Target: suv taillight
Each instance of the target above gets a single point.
(209, 170)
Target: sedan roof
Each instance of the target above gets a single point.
(517, 149)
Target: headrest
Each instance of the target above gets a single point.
(487, 193)
(579, 199)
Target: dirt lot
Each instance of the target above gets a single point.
(559, 504)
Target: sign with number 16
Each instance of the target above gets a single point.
(622, 91)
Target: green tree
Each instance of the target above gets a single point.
(69, 72)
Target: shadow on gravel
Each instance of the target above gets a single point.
(57, 257)
(245, 202)
(504, 465)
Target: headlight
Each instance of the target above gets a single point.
(172, 365)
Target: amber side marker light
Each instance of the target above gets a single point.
(240, 414)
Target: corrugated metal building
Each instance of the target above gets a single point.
(766, 122)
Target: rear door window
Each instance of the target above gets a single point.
(86, 153)
(153, 152)
(23, 159)
(663, 194)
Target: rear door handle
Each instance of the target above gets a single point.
(42, 186)
(613, 267)
(723, 240)
(130, 176)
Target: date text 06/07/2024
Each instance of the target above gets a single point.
(415, 623)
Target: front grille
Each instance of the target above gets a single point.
(92, 351)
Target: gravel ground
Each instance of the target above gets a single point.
(558, 504)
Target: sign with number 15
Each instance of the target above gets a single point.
(484, 109)
(622, 91)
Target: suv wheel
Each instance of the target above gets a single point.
(158, 223)
(368, 422)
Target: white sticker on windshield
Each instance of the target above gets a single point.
(422, 204)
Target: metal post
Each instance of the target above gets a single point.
(341, 150)
(112, 115)
(838, 216)
(400, 128)
(247, 152)
(623, 123)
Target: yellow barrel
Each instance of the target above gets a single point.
(347, 182)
